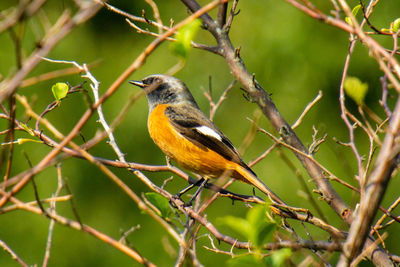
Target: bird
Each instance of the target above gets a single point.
(186, 135)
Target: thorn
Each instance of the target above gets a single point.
(253, 77)
(144, 16)
(317, 192)
(237, 52)
(245, 94)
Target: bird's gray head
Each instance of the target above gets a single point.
(164, 89)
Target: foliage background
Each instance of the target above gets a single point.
(293, 57)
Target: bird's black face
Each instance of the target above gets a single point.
(163, 89)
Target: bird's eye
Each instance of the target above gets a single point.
(150, 80)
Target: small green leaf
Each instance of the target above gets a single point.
(60, 90)
(395, 25)
(184, 38)
(278, 257)
(256, 215)
(355, 89)
(160, 203)
(260, 228)
(354, 11)
(256, 227)
(244, 261)
(239, 225)
(27, 129)
(20, 141)
(265, 232)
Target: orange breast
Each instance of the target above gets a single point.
(199, 160)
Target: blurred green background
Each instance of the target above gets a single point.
(293, 57)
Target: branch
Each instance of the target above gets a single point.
(14, 255)
(374, 191)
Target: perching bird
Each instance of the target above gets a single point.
(185, 134)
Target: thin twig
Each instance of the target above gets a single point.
(307, 109)
(13, 255)
(52, 221)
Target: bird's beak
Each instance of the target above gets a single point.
(138, 83)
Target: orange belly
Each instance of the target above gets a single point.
(199, 160)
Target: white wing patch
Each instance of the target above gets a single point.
(209, 132)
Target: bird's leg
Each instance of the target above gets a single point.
(184, 190)
(201, 186)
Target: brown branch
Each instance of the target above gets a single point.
(221, 17)
(321, 16)
(156, 12)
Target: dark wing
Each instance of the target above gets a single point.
(197, 128)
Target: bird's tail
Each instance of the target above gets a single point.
(248, 176)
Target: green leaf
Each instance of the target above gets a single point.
(60, 90)
(244, 261)
(256, 219)
(27, 129)
(20, 141)
(265, 232)
(256, 228)
(355, 89)
(395, 25)
(160, 203)
(260, 228)
(239, 225)
(278, 257)
(354, 11)
(184, 38)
